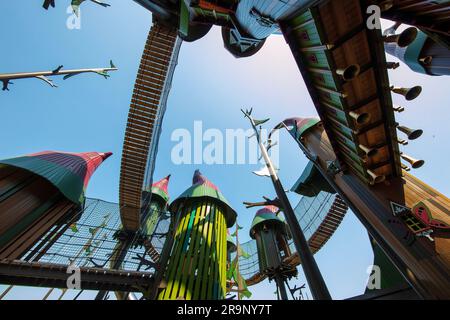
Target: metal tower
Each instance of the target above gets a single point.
(271, 234)
(197, 264)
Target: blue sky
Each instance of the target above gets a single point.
(88, 113)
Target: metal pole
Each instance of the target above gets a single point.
(239, 281)
(281, 287)
(4, 293)
(315, 280)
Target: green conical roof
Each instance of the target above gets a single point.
(159, 189)
(297, 127)
(68, 172)
(267, 214)
(203, 188)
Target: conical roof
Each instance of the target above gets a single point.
(298, 126)
(203, 188)
(160, 189)
(68, 172)
(268, 213)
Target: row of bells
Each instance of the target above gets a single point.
(349, 73)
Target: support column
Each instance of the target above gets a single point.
(197, 265)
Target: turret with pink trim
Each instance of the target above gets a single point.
(197, 267)
(157, 197)
(39, 191)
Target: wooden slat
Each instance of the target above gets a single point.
(145, 102)
(331, 37)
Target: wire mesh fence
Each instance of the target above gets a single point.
(310, 212)
(94, 241)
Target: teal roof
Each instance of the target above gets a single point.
(311, 182)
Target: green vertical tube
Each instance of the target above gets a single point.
(159, 199)
(271, 234)
(197, 266)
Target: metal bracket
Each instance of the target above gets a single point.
(263, 20)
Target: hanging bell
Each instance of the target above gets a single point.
(403, 39)
(411, 133)
(415, 163)
(370, 152)
(360, 118)
(349, 73)
(408, 93)
(375, 178)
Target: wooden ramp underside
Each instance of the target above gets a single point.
(143, 128)
(333, 36)
(431, 16)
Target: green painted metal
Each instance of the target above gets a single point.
(68, 172)
(158, 205)
(323, 79)
(155, 211)
(271, 234)
(311, 182)
(62, 178)
(197, 266)
(390, 277)
(160, 193)
(334, 100)
(267, 216)
(213, 15)
(184, 19)
(205, 190)
(312, 122)
(300, 19)
(70, 184)
(337, 114)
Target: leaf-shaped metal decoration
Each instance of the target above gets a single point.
(260, 122)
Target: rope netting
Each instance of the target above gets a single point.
(93, 241)
(310, 212)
